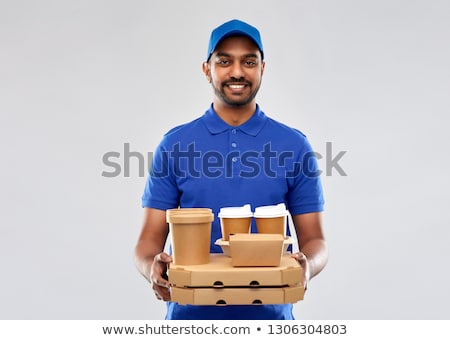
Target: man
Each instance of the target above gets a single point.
(232, 155)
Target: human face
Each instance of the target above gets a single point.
(235, 71)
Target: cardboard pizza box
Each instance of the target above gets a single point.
(220, 272)
(237, 296)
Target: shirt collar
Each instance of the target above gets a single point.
(216, 125)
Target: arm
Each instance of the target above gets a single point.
(313, 254)
(150, 259)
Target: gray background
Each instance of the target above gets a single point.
(79, 79)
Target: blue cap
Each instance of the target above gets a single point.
(233, 28)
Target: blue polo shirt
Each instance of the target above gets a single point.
(208, 163)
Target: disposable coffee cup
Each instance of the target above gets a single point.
(235, 220)
(190, 232)
(271, 219)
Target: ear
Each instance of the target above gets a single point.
(207, 71)
(263, 65)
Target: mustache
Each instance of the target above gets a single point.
(232, 80)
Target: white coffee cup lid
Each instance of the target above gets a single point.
(271, 210)
(244, 211)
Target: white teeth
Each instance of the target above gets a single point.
(236, 86)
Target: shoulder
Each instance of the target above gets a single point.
(274, 125)
(183, 128)
(180, 134)
(285, 137)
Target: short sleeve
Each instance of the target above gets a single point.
(305, 193)
(160, 190)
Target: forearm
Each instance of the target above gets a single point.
(311, 242)
(316, 252)
(151, 241)
(144, 256)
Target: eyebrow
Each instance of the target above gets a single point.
(248, 55)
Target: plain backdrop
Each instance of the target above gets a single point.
(81, 79)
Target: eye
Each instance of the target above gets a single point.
(250, 63)
(223, 62)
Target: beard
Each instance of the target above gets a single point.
(236, 101)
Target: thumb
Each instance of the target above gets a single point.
(163, 257)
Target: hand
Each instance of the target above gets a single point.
(158, 276)
(303, 260)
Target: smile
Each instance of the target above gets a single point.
(236, 86)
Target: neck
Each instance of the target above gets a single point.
(234, 115)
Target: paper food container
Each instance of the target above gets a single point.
(190, 233)
(256, 249)
(225, 245)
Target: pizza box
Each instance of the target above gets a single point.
(220, 272)
(237, 296)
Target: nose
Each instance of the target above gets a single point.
(236, 71)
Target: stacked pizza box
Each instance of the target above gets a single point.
(253, 269)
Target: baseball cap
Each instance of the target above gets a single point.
(233, 28)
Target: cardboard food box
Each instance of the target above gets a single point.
(225, 245)
(237, 296)
(219, 272)
(256, 249)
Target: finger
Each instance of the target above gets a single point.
(300, 257)
(303, 261)
(165, 296)
(162, 293)
(163, 257)
(160, 283)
